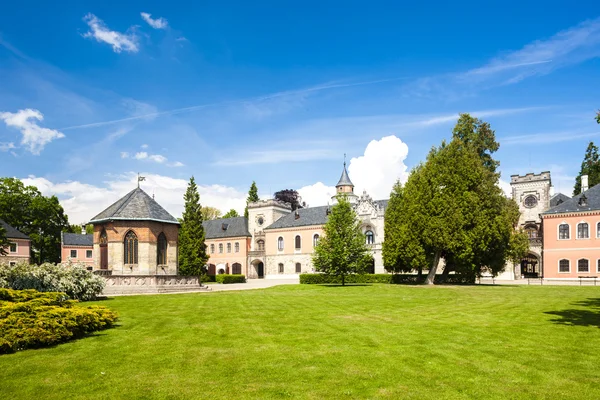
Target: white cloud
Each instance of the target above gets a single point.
(318, 194)
(6, 146)
(159, 23)
(83, 201)
(157, 158)
(176, 164)
(119, 41)
(144, 146)
(35, 138)
(142, 155)
(124, 154)
(505, 186)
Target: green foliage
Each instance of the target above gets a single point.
(229, 278)
(73, 279)
(30, 319)
(192, 249)
(231, 214)
(478, 135)
(252, 197)
(41, 218)
(4, 242)
(598, 117)
(209, 278)
(411, 279)
(342, 250)
(209, 213)
(590, 167)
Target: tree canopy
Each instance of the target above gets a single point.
(598, 117)
(231, 214)
(41, 218)
(479, 135)
(343, 249)
(4, 243)
(192, 249)
(252, 197)
(590, 166)
(291, 197)
(209, 213)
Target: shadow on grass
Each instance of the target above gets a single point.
(579, 317)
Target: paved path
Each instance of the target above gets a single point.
(538, 282)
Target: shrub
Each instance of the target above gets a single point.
(227, 278)
(30, 319)
(73, 279)
(320, 279)
(209, 278)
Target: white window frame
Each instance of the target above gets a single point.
(236, 247)
(220, 248)
(71, 253)
(229, 248)
(367, 236)
(91, 254)
(558, 230)
(598, 230)
(562, 272)
(16, 247)
(588, 262)
(282, 247)
(298, 249)
(313, 239)
(598, 265)
(577, 235)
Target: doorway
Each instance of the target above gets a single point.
(260, 269)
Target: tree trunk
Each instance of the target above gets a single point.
(420, 274)
(343, 280)
(433, 269)
(446, 272)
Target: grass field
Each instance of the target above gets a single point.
(315, 342)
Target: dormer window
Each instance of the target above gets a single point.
(224, 226)
(583, 201)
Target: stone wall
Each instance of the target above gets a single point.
(138, 284)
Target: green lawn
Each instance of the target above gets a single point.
(315, 342)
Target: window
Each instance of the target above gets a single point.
(280, 268)
(261, 245)
(563, 266)
(161, 250)
(315, 240)
(370, 237)
(103, 237)
(531, 231)
(13, 247)
(220, 247)
(229, 247)
(598, 266)
(212, 248)
(563, 231)
(237, 247)
(583, 266)
(530, 201)
(280, 243)
(583, 231)
(131, 248)
(298, 268)
(298, 242)
(236, 269)
(73, 253)
(12, 263)
(598, 230)
(88, 254)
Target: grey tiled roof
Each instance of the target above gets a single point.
(135, 205)
(226, 227)
(381, 203)
(557, 199)
(344, 179)
(307, 216)
(572, 205)
(77, 239)
(12, 233)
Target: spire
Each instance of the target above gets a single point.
(345, 179)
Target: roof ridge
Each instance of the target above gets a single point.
(126, 201)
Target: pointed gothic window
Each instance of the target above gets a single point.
(161, 250)
(131, 248)
(370, 237)
(583, 231)
(103, 237)
(563, 231)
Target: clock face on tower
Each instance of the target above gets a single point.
(260, 221)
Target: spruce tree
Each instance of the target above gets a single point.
(343, 249)
(590, 167)
(192, 250)
(252, 197)
(598, 117)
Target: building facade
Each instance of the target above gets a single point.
(19, 249)
(77, 248)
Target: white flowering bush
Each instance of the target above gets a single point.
(72, 278)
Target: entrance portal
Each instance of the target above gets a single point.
(260, 269)
(530, 267)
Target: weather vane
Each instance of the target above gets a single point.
(140, 178)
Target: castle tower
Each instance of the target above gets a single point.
(345, 187)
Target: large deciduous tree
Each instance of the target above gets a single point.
(209, 213)
(343, 249)
(479, 136)
(291, 197)
(231, 214)
(41, 218)
(252, 197)
(192, 249)
(590, 166)
(4, 243)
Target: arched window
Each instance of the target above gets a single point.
(229, 247)
(298, 242)
(583, 231)
(598, 266)
(280, 243)
(370, 237)
(315, 239)
(220, 247)
(103, 237)
(130, 248)
(161, 250)
(280, 268)
(598, 230)
(237, 247)
(563, 231)
(212, 248)
(564, 266)
(261, 245)
(236, 269)
(583, 265)
(298, 268)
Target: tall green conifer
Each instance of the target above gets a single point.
(192, 250)
(590, 166)
(252, 197)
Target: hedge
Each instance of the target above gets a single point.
(381, 278)
(209, 278)
(31, 319)
(227, 278)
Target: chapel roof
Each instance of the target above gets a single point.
(12, 233)
(591, 203)
(344, 179)
(226, 228)
(77, 239)
(557, 199)
(135, 206)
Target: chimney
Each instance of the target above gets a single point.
(83, 229)
(551, 191)
(584, 183)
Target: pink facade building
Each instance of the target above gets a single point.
(19, 249)
(77, 248)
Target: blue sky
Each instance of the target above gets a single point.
(93, 93)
